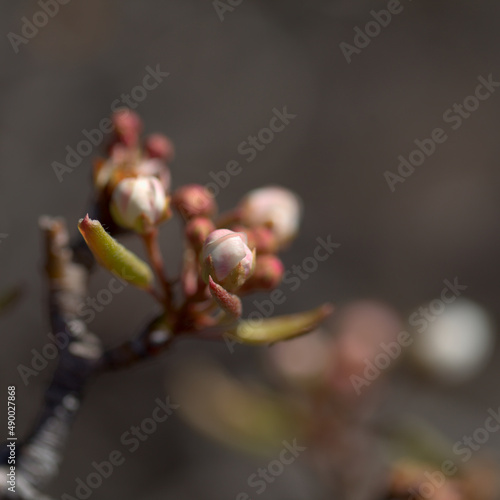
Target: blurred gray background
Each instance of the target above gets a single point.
(353, 121)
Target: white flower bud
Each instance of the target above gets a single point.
(274, 207)
(227, 258)
(139, 203)
(154, 168)
(456, 343)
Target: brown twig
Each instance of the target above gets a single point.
(156, 259)
(40, 454)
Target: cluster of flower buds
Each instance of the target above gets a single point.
(133, 183)
(224, 256)
(270, 218)
(237, 251)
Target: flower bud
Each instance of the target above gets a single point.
(122, 164)
(227, 259)
(268, 274)
(159, 146)
(194, 200)
(263, 239)
(154, 168)
(274, 207)
(139, 203)
(128, 126)
(197, 231)
(456, 343)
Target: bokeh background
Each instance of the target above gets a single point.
(353, 121)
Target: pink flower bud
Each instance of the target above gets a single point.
(194, 200)
(227, 258)
(160, 146)
(139, 203)
(128, 126)
(268, 274)
(197, 231)
(274, 207)
(263, 239)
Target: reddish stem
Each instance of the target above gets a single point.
(156, 259)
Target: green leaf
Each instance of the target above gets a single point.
(113, 256)
(270, 330)
(243, 416)
(416, 439)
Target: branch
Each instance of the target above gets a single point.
(152, 340)
(40, 455)
(81, 357)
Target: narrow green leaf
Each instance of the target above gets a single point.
(270, 330)
(113, 256)
(243, 416)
